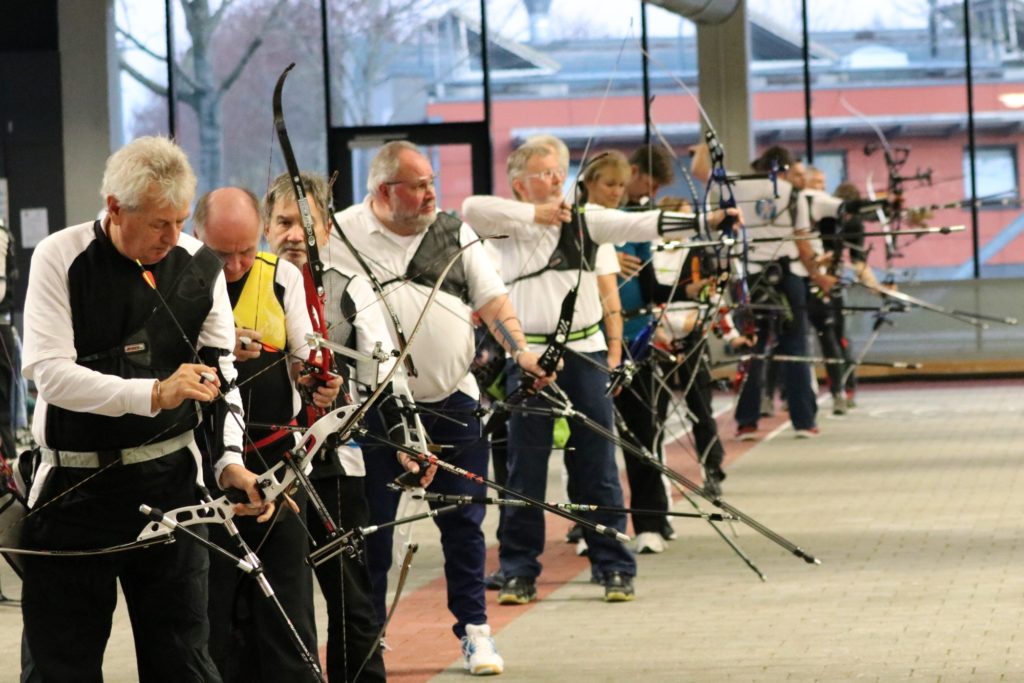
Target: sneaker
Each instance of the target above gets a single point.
(618, 587)
(667, 531)
(582, 549)
(839, 406)
(480, 652)
(575, 534)
(746, 433)
(519, 590)
(649, 543)
(809, 433)
(851, 400)
(767, 406)
(494, 581)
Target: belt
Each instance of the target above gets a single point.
(127, 456)
(573, 336)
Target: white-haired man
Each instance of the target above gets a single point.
(119, 396)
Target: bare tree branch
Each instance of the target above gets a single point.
(137, 43)
(142, 78)
(220, 11)
(230, 79)
(187, 92)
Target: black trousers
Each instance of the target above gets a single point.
(249, 640)
(345, 583)
(829, 324)
(68, 603)
(643, 406)
(698, 401)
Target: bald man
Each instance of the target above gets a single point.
(247, 639)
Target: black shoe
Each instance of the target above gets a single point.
(713, 482)
(667, 532)
(494, 581)
(518, 590)
(575, 534)
(618, 587)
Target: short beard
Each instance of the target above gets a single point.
(413, 222)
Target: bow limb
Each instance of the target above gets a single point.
(883, 219)
(313, 270)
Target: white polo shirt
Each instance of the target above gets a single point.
(444, 348)
(768, 216)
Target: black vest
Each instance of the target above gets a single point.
(122, 327)
(569, 253)
(440, 243)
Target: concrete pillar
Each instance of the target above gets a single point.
(723, 53)
(86, 39)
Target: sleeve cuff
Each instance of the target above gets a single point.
(229, 458)
(141, 397)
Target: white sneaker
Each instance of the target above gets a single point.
(582, 548)
(480, 652)
(648, 542)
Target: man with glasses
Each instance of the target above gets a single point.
(397, 237)
(548, 251)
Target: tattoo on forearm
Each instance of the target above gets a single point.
(499, 326)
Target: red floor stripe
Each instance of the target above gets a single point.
(420, 635)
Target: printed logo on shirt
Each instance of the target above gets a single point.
(765, 210)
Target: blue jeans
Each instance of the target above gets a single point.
(462, 539)
(593, 475)
(796, 377)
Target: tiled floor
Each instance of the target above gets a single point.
(914, 503)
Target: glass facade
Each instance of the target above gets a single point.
(898, 73)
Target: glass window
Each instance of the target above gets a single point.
(675, 120)
(224, 81)
(405, 62)
(140, 89)
(898, 78)
(1000, 224)
(997, 174)
(566, 70)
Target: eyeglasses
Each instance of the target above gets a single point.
(548, 175)
(421, 185)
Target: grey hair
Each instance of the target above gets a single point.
(316, 192)
(518, 159)
(202, 210)
(560, 148)
(132, 171)
(385, 163)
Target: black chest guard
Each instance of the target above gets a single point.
(569, 253)
(437, 248)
